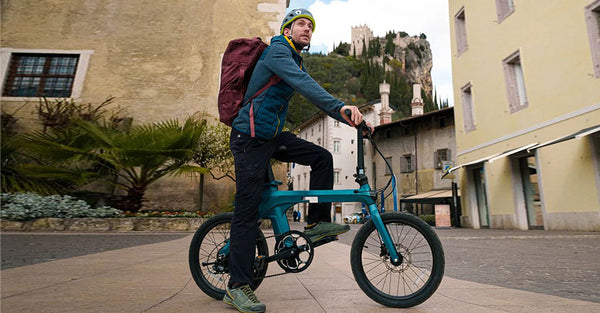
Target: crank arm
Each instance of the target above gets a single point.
(280, 256)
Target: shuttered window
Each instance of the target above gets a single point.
(515, 82)
(460, 28)
(467, 108)
(407, 163)
(592, 18)
(504, 8)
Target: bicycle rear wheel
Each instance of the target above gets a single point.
(409, 283)
(211, 271)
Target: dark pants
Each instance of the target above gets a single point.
(252, 158)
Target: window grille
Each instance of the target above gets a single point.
(40, 75)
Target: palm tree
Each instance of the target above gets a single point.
(22, 174)
(138, 157)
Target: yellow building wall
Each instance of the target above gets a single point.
(500, 187)
(568, 174)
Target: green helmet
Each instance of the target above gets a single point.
(294, 15)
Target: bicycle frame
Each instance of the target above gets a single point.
(275, 203)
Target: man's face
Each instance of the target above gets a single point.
(301, 31)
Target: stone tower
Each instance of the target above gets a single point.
(358, 34)
(417, 101)
(385, 115)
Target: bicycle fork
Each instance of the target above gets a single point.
(395, 257)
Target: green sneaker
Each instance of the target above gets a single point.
(243, 299)
(325, 229)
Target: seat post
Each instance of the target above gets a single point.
(270, 175)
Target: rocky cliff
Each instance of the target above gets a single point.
(412, 56)
(415, 53)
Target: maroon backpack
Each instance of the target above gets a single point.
(239, 60)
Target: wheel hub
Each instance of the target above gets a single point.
(404, 262)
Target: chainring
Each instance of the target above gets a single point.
(297, 249)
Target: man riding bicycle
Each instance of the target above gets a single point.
(257, 136)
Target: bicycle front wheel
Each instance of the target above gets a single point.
(211, 270)
(409, 283)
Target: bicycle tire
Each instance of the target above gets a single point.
(419, 275)
(211, 236)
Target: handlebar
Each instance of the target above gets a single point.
(362, 126)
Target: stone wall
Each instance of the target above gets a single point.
(90, 224)
(160, 59)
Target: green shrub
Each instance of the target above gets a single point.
(27, 206)
(428, 218)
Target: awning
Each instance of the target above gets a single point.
(576, 135)
(470, 163)
(513, 151)
(431, 197)
(491, 158)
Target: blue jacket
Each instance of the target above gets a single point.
(270, 107)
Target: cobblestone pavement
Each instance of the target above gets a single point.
(564, 264)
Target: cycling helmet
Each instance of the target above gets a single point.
(294, 15)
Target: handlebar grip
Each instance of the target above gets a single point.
(348, 113)
(362, 125)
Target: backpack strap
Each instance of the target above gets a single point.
(272, 81)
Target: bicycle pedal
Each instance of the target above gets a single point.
(259, 262)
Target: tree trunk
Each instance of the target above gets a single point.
(200, 192)
(133, 201)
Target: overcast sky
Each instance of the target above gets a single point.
(334, 19)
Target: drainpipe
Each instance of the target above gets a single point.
(416, 164)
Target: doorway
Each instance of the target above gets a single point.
(531, 192)
(482, 207)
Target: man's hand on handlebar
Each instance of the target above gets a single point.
(353, 116)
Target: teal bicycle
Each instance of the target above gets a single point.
(396, 258)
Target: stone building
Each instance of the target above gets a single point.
(159, 59)
(418, 149)
(360, 36)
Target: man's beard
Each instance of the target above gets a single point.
(300, 46)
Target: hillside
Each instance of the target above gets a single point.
(355, 79)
